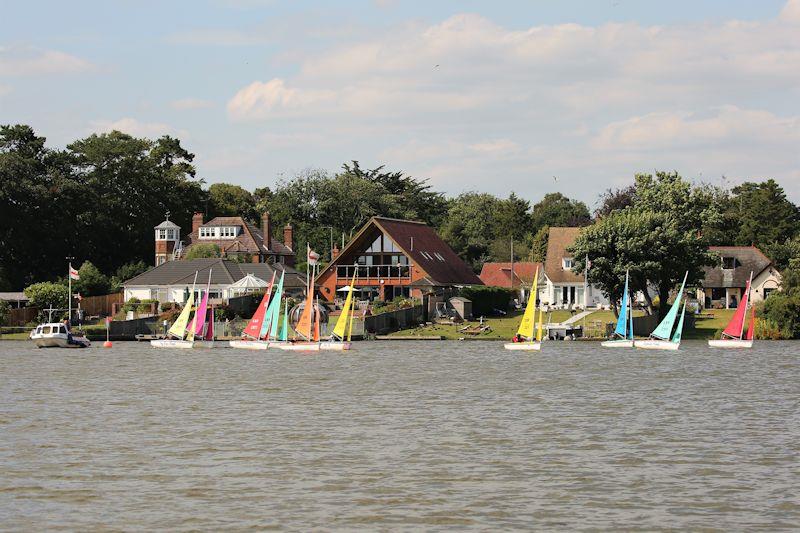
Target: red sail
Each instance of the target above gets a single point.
(751, 330)
(254, 326)
(210, 329)
(736, 325)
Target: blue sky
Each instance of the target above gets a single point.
(525, 96)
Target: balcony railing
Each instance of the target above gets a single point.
(374, 272)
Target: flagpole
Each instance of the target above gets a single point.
(586, 284)
(69, 291)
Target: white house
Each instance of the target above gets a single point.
(724, 283)
(563, 287)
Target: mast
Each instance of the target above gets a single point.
(69, 295)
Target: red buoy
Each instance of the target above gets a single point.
(107, 344)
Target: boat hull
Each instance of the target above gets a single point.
(620, 343)
(249, 345)
(203, 345)
(654, 344)
(730, 343)
(299, 346)
(523, 346)
(172, 343)
(60, 342)
(335, 346)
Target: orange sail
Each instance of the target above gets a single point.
(304, 323)
(316, 327)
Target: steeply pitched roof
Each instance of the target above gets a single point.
(558, 240)
(748, 259)
(423, 247)
(250, 240)
(499, 274)
(223, 272)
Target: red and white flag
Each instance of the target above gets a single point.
(313, 257)
(73, 273)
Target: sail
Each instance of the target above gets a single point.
(210, 329)
(200, 315)
(284, 336)
(751, 329)
(529, 318)
(352, 316)
(341, 323)
(270, 326)
(304, 324)
(178, 329)
(253, 328)
(622, 320)
(316, 325)
(541, 323)
(676, 337)
(664, 329)
(192, 325)
(735, 327)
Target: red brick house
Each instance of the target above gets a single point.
(395, 258)
(238, 238)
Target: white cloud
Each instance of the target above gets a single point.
(259, 99)
(185, 104)
(27, 61)
(137, 128)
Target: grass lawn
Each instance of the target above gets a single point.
(706, 328)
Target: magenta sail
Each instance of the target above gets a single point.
(200, 315)
(736, 325)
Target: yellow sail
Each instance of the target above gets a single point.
(178, 329)
(192, 327)
(541, 323)
(529, 318)
(341, 325)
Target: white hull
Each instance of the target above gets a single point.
(249, 345)
(60, 341)
(523, 346)
(335, 346)
(621, 343)
(654, 344)
(299, 346)
(203, 344)
(172, 343)
(730, 343)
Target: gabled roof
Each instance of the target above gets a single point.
(558, 240)
(748, 259)
(223, 272)
(499, 274)
(250, 240)
(426, 250)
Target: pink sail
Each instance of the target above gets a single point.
(751, 330)
(200, 315)
(210, 329)
(736, 325)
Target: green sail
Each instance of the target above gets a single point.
(664, 329)
(676, 337)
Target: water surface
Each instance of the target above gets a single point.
(405, 435)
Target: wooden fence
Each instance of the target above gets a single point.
(101, 305)
(21, 316)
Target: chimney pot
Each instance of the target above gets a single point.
(266, 230)
(288, 236)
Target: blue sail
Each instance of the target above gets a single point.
(664, 329)
(622, 321)
(676, 337)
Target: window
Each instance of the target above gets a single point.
(729, 263)
(162, 234)
(207, 233)
(227, 232)
(171, 234)
(388, 245)
(375, 247)
(567, 263)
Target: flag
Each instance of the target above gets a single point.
(73, 274)
(313, 257)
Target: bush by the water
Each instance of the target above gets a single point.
(486, 299)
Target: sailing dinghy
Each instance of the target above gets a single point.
(251, 336)
(623, 333)
(307, 326)
(203, 322)
(344, 325)
(735, 335)
(178, 335)
(663, 337)
(525, 339)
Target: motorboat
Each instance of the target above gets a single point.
(56, 335)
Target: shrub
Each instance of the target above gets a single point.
(167, 306)
(131, 304)
(783, 309)
(767, 329)
(200, 251)
(92, 282)
(146, 304)
(486, 299)
(47, 294)
(4, 312)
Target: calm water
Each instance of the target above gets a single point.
(399, 436)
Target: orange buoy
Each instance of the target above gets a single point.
(107, 344)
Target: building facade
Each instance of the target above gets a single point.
(724, 283)
(563, 287)
(394, 258)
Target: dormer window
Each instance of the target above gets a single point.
(227, 232)
(729, 263)
(567, 263)
(207, 233)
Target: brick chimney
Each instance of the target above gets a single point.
(288, 236)
(266, 230)
(335, 252)
(197, 221)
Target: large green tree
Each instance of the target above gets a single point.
(762, 213)
(227, 200)
(555, 209)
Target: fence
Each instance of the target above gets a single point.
(394, 320)
(103, 305)
(21, 316)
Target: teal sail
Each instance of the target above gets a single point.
(270, 323)
(664, 329)
(622, 321)
(284, 336)
(676, 337)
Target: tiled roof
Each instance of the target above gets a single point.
(251, 240)
(558, 240)
(499, 274)
(748, 259)
(223, 272)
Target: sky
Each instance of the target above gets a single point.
(523, 96)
